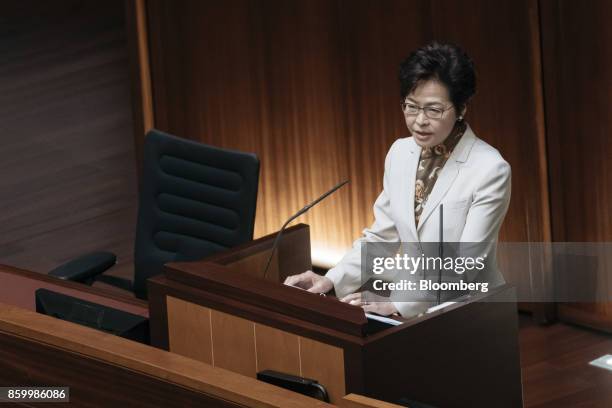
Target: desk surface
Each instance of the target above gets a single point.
(17, 288)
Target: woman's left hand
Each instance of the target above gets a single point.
(385, 308)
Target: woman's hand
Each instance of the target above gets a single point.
(311, 282)
(384, 308)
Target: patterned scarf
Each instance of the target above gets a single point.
(432, 160)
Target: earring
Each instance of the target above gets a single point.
(460, 118)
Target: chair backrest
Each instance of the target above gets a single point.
(195, 200)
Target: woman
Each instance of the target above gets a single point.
(442, 163)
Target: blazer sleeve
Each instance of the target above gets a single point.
(346, 275)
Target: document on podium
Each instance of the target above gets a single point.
(383, 319)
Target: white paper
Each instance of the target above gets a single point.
(383, 319)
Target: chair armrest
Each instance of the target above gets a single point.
(85, 268)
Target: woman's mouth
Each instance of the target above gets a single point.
(421, 134)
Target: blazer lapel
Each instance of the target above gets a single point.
(410, 177)
(447, 175)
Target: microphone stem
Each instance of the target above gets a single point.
(278, 236)
(441, 250)
(293, 217)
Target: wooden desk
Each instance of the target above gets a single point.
(104, 370)
(17, 288)
(220, 312)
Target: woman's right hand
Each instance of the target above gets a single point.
(311, 282)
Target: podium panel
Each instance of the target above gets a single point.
(246, 347)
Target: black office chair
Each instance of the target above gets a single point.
(195, 200)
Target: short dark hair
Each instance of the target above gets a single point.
(446, 63)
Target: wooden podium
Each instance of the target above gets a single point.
(220, 311)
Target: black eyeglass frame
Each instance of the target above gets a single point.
(426, 110)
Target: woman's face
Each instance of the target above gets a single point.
(428, 132)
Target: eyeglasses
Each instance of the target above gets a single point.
(431, 112)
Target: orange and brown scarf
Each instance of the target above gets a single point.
(432, 160)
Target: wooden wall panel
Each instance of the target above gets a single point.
(285, 79)
(578, 68)
(140, 72)
(502, 37)
(578, 84)
(311, 87)
(377, 37)
(67, 173)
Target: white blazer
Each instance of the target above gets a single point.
(473, 186)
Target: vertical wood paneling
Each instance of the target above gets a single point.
(376, 36)
(67, 174)
(501, 38)
(277, 350)
(189, 330)
(142, 92)
(578, 84)
(245, 347)
(324, 363)
(233, 340)
(578, 69)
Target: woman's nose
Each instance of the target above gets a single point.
(421, 119)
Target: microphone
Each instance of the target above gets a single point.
(293, 217)
(441, 250)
